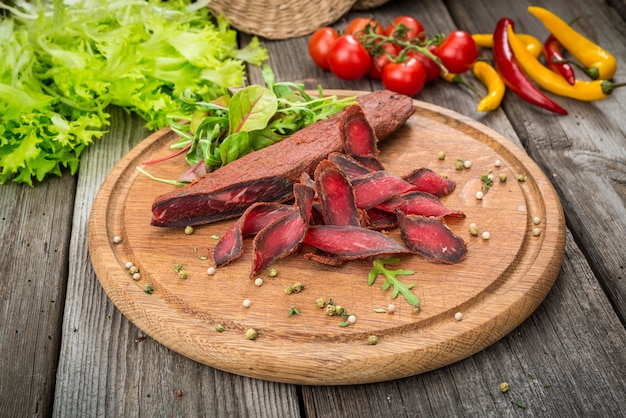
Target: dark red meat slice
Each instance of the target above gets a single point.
(336, 195)
(379, 219)
(431, 238)
(268, 174)
(351, 167)
(378, 186)
(351, 242)
(255, 218)
(371, 163)
(359, 135)
(418, 203)
(426, 180)
(283, 236)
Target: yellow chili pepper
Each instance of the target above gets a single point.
(533, 44)
(553, 82)
(600, 63)
(495, 86)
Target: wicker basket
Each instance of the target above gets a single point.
(280, 19)
(368, 4)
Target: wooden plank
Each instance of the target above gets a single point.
(34, 232)
(561, 360)
(108, 367)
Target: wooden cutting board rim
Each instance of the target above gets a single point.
(275, 356)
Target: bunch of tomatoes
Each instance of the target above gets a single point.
(402, 55)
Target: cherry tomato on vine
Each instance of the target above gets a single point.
(432, 69)
(320, 44)
(406, 77)
(457, 52)
(381, 59)
(413, 28)
(358, 26)
(348, 59)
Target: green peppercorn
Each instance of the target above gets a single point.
(330, 309)
(502, 177)
(219, 327)
(251, 334)
(189, 230)
(339, 310)
(298, 287)
(504, 387)
(321, 303)
(372, 340)
(288, 289)
(521, 178)
(182, 274)
(148, 288)
(272, 272)
(441, 155)
(459, 164)
(133, 269)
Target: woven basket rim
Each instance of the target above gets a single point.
(281, 19)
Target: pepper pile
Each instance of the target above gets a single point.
(521, 70)
(405, 57)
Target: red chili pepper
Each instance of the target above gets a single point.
(553, 52)
(513, 76)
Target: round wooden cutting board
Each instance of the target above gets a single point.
(497, 287)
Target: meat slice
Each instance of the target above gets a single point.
(336, 195)
(268, 174)
(351, 167)
(431, 238)
(283, 236)
(419, 203)
(376, 187)
(351, 242)
(426, 180)
(255, 218)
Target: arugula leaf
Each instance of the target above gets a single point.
(63, 64)
(391, 279)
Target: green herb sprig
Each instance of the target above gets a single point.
(391, 279)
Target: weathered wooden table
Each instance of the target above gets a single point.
(65, 350)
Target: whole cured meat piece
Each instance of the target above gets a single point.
(283, 236)
(255, 218)
(426, 180)
(376, 187)
(419, 203)
(431, 238)
(336, 195)
(351, 242)
(267, 175)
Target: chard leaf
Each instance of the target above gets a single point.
(234, 146)
(251, 108)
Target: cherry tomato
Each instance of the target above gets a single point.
(406, 77)
(413, 28)
(457, 52)
(348, 59)
(432, 69)
(320, 44)
(357, 27)
(382, 58)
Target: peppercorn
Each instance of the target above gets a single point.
(321, 303)
(372, 340)
(251, 334)
(219, 327)
(330, 310)
(189, 230)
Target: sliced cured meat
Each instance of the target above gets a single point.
(255, 218)
(376, 187)
(358, 135)
(268, 174)
(426, 180)
(336, 195)
(431, 238)
(371, 163)
(379, 219)
(351, 167)
(283, 236)
(351, 242)
(419, 203)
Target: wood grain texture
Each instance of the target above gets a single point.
(34, 237)
(502, 281)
